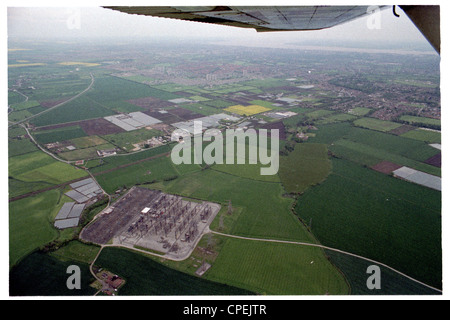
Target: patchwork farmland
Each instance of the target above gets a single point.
(91, 181)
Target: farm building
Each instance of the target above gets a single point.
(69, 215)
(106, 152)
(212, 121)
(132, 121)
(418, 177)
(84, 190)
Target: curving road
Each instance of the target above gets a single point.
(331, 249)
(56, 106)
(168, 257)
(214, 232)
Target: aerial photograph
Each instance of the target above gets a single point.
(225, 151)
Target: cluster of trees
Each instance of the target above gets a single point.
(420, 124)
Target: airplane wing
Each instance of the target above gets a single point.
(264, 18)
(289, 18)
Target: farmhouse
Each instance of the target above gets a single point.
(106, 152)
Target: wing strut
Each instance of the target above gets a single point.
(428, 20)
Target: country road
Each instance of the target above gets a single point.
(327, 248)
(169, 257)
(9, 105)
(56, 106)
(20, 123)
(173, 258)
(43, 149)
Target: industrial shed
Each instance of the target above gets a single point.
(69, 215)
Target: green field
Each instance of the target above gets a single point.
(360, 111)
(144, 276)
(421, 121)
(265, 213)
(376, 124)
(25, 105)
(242, 165)
(144, 172)
(107, 96)
(369, 156)
(81, 108)
(232, 87)
(52, 275)
(110, 88)
(249, 171)
(293, 233)
(77, 251)
(18, 187)
(368, 147)
(304, 167)
(116, 161)
(19, 115)
(31, 223)
(125, 140)
(277, 269)
(199, 98)
(139, 78)
(295, 121)
(15, 98)
(317, 114)
(20, 146)
(121, 106)
(61, 86)
(18, 164)
(38, 167)
(85, 153)
(266, 83)
(16, 132)
(379, 217)
(262, 103)
(173, 87)
(261, 212)
(60, 135)
(200, 108)
(427, 136)
(337, 118)
(56, 173)
(392, 283)
(86, 142)
(220, 104)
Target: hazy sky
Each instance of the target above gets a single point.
(43, 22)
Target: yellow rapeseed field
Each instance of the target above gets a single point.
(247, 110)
(25, 65)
